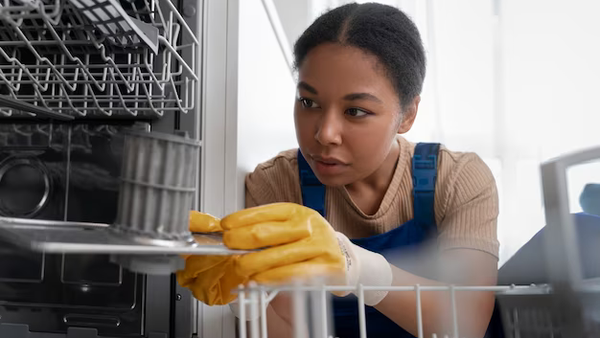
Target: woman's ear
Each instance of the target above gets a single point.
(408, 115)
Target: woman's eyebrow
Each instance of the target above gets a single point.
(307, 87)
(349, 97)
(362, 96)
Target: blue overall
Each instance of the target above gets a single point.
(403, 241)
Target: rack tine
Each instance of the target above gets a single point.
(9, 102)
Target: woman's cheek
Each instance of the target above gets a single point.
(306, 126)
(300, 124)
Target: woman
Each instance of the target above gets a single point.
(416, 214)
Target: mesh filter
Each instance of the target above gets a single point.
(157, 186)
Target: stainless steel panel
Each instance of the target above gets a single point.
(93, 238)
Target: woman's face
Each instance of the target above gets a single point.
(347, 114)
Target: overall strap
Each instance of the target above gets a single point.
(424, 173)
(313, 191)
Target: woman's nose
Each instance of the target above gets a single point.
(329, 131)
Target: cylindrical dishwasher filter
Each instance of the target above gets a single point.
(157, 187)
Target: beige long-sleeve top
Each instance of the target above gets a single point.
(466, 198)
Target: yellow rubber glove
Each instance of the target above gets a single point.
(210, 278)
(299, 243)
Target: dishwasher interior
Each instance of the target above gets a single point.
(77, 77)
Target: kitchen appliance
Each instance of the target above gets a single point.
(72, 90)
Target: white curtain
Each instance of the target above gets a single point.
(515, 81)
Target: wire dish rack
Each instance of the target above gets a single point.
(566, 306)
(137, 58)
(526, 311)
(53, 136)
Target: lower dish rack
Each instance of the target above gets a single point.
(525, 311)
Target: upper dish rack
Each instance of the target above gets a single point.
(98, 58)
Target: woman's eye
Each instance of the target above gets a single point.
(355, 112)
(306, 103)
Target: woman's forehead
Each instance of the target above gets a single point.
(337, 68)
(332, 57)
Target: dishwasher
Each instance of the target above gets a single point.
(84, 84)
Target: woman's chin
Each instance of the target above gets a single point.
(334, 180)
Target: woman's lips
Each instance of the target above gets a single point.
(327, 166)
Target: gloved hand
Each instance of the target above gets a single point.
(367, 268)
(300, 243)
(210, 278)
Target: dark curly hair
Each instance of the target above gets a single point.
(378, 29)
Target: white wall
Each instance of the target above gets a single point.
(551, 77)
(266, 92)
(295, 16)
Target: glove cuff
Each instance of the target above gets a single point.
(235, 308)
(367, 268)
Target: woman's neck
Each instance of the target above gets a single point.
(369, 192)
